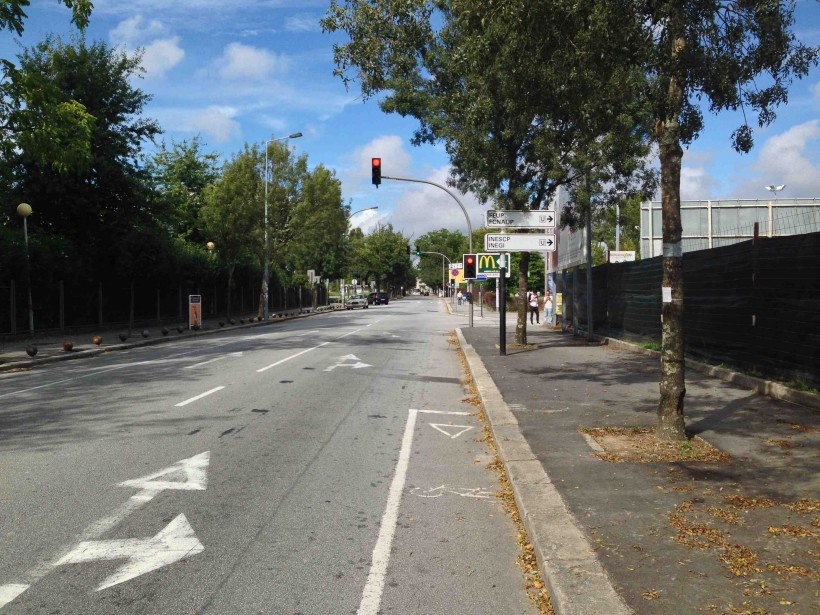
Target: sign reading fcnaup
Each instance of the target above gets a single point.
(519, 242)
(501, 218)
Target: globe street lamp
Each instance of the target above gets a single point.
(266, 281)
(24, 209)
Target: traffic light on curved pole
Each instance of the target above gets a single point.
(376, 170)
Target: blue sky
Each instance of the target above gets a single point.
(237, 71)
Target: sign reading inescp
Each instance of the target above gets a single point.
(519, 242)
(504, 218)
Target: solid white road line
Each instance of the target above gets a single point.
(374, 588)
(445, 412)
(200, 396)
(293, 356)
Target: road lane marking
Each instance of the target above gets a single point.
(293, 356)
(10, 592)
(194, 468)
(444, 412)
(175, 542)
(477, 493)
(200, 396)
(457, 430)
(214, 360)
(374, 588)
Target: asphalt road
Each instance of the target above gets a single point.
(323, 465)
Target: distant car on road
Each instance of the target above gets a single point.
(357, 301)
(378, 298)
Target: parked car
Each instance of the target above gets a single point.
(378, 298)
(357, 301)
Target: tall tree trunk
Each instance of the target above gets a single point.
(523, 307)
(670, 425)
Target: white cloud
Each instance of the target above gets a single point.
(216, 122)
(786, 159)
(240, 61)
(696, 184)
(161, 56)
(426, 208)
(133, 30)
(161, 53)
(303, 23)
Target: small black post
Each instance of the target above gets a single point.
(502, 308)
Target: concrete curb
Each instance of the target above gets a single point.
(82, 354)
(577, 583)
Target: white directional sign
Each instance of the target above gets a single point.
(501, 218)
(519, 242)
(172, 544)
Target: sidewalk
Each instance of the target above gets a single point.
(733, 536)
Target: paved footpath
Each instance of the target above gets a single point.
(736, 536)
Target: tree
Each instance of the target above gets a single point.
(381, 257)
(179, 176)
(732, 55)
(33, 115)
(230, 214)
(319, 224)
(453, 244)
(103, 206)
(284, 177)
(485, 83)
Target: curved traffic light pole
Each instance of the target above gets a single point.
(469, 226)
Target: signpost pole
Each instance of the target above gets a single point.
(502, 292)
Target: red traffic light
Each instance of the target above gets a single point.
(376, 170)
(377, 162)
(470, 260)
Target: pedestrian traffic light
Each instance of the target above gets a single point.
(376, 168)
(469, 266)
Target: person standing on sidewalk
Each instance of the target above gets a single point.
(548, 308)
(533, 299)
(460, 297)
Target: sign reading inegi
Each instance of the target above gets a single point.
(519, 242)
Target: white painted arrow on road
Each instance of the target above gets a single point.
(172, 544)
(348, 357)
(457, 430)
(186, 475)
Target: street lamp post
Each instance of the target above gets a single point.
(266, 281)
(24, 209)
(774, 190)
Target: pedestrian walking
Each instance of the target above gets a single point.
(548, 308)
(533, 300)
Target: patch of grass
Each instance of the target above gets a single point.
(651, 346)
(798, 384)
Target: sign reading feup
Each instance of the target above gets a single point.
(489, 267)
(519, 242)
(501, 218)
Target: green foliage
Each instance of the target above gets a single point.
(319, 224)
(381, 257)
(12, 14)
(179, 176)
(101, 206)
